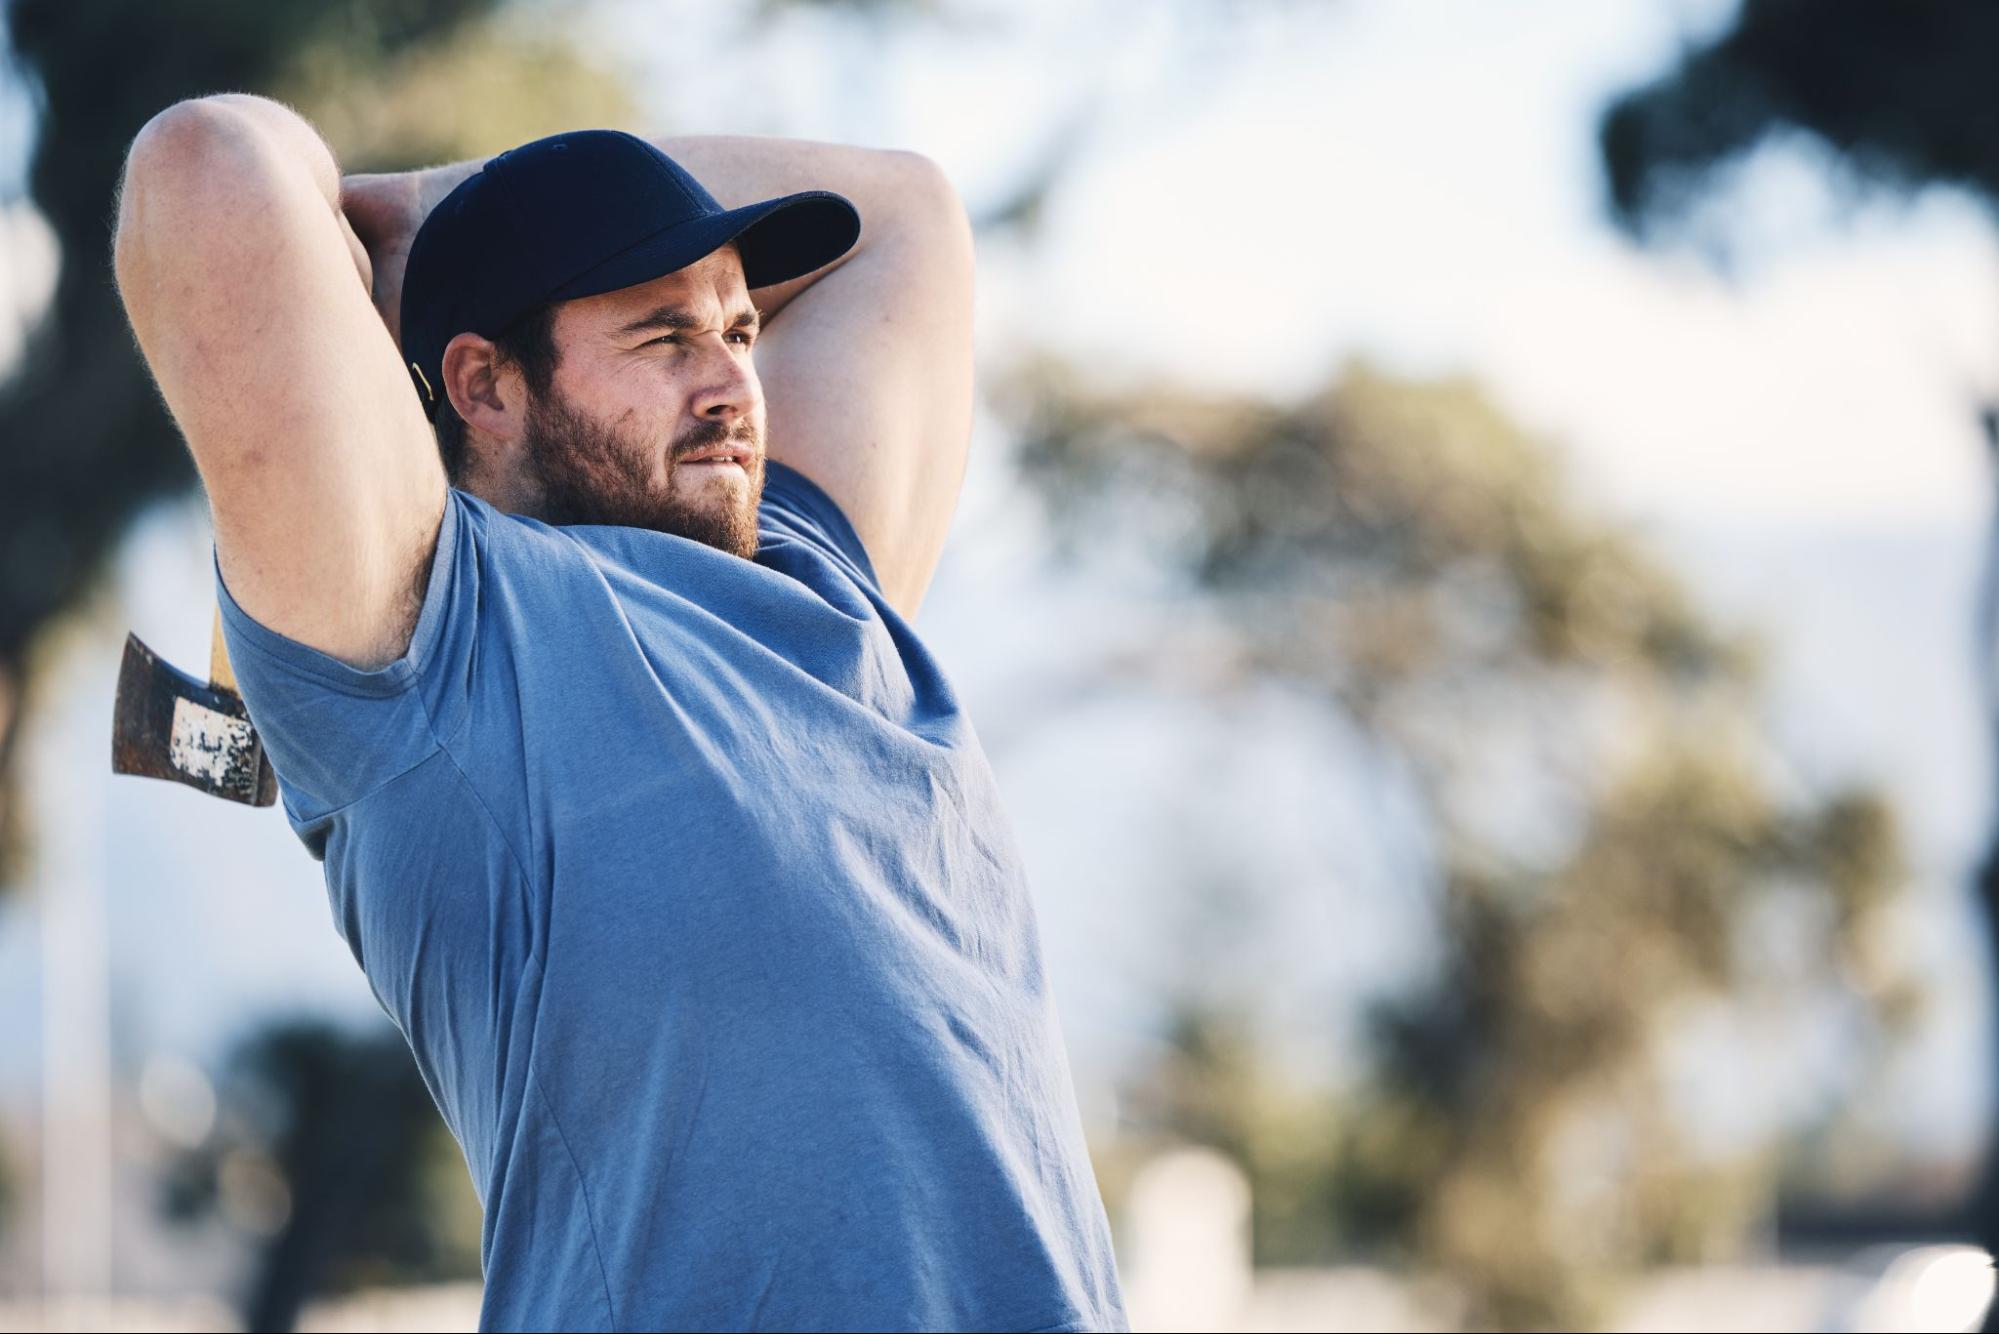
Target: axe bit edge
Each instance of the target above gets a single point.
(168, 725)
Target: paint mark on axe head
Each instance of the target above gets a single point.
(168, 725)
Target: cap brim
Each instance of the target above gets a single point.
(780, 239)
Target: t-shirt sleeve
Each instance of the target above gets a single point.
(798, 508)
(336, 733)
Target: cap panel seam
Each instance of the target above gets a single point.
(686, 195)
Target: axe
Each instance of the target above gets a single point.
(168, 725)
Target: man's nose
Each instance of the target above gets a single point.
(728, 387)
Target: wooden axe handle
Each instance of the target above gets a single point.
(219, 673)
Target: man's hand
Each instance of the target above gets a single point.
(385, 210)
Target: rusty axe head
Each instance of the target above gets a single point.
(169, 725)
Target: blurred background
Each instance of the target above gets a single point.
(1474, 577)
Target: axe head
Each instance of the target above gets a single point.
(169, 725)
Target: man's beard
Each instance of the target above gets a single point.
(589, 473)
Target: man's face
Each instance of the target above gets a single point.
(649, 381)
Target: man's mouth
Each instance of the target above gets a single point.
(720, 456)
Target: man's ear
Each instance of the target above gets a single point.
(486, 392)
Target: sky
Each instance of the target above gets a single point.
(1248, 202)
(1451, 220)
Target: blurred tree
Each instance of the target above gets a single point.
(332, 1155)
(1901, 97)
(88, 446)
(1605, 826)
(1902, 94)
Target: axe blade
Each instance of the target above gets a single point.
(168, 725)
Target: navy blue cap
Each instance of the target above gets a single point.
(585, 212)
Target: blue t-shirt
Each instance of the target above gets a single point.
(689, 884)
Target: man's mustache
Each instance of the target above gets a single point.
(710, 434)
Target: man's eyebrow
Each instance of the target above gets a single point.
(673, 317)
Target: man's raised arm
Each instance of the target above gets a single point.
(866, 365)
(248, 292)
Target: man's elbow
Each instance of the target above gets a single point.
(191, 165)
(179, 148)
(924, 186)
(189, 136)
(928, 204)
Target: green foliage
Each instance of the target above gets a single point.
(493, 85)
(1604, 820)
(1902, 94)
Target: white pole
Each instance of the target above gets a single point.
(70, 822)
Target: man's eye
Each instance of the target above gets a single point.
(743, 334)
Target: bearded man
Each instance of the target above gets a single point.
(569, 528)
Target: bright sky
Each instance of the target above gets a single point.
(1425, 188)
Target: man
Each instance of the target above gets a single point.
(578, 630)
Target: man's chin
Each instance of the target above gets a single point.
(727, 522)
